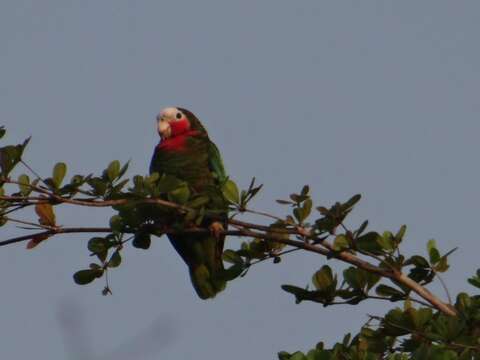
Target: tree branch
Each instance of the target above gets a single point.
(320, 246)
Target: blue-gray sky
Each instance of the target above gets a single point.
(371, 97)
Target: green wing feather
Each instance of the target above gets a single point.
(215, 163)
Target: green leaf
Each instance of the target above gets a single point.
(323, 279)
(420, 317)
(299, 214)
(168, 183)
(199, 201)
(115, 259)
(307, 208)
(418, 261)
(354, 278)
(341, 243)
(180, 195)
(124, 169)
(433, 251)
(475, 280)
(24, 182)
(300, 294)
(359, 279)
(113, 170)
(142, 240)
(94, 266)
(351, 202)
(10, 156)
(400, 234)
(369, 243)
(442, 265)
(232, 257)
(305, 190)
(387, 241)
(388, 291)
(86, 276)
(362, 228)
(116, 223)
(232, 272)
(2, 131)
(284, 202)
(59, 172)
(98, 245)
(98, 185)
(230, 192)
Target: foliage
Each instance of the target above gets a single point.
(375, 268)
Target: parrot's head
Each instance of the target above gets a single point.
(175, 121)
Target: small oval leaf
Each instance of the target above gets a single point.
(59, 172)
(230, 191)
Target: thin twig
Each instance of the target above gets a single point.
(41, 226)
(33, 172)
(261, 213)
(444, 286)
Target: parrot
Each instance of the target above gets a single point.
(186, 152)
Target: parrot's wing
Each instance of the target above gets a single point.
(215, 163)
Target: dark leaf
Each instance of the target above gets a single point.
(142, 240)
(361, 229)
(124, 169)
(10, 156)
(232, 272)
(232, 257)
(418, 261)
(305, 190)
(369, 243)
(400, 234)
(284, 202)
(98, 245)
(84, 277)
(115, 259)
(351, 202)
(433, 252)
(98, 185)
(388, 291)
(116, 223)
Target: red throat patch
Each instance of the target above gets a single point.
(179, 127)
(177, 141)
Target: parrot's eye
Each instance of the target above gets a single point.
(179, 115)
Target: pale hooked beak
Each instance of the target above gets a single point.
(164, 129)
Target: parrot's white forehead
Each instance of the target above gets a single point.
(169, 112)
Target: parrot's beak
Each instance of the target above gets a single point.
(164, 129)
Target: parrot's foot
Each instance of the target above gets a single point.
(216, 228)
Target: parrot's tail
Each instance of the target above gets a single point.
(203, 255)
(207, 283)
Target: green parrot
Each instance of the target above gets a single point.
(186, 152)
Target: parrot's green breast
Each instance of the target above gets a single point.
(190, 162)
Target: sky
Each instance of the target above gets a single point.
(372, 97)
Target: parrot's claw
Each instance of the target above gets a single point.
(216, 228)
